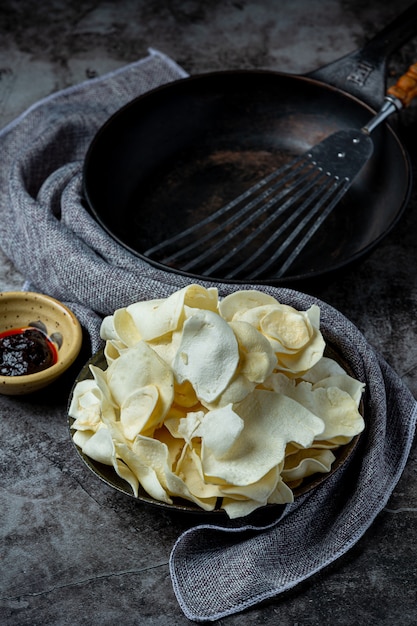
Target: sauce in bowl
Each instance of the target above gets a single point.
(26, 351)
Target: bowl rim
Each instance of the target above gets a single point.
(61, 365)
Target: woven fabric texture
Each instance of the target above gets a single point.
(219, 571)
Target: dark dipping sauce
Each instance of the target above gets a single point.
(25, 351)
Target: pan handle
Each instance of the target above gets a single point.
(362, 73)
(405, 89)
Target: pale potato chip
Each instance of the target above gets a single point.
(85, 406)
(156, 318)
(190, 471)
(236, 391)
(220, 429)
(80, 437)
(290, 328)
(354, 388)
(207, 356)
(207, 400)
(138, 412)
(237, 303)
(155, 454)
(324, 368)
(92, 404)
(185, 427)
(282, 494)
(259, 491)
(107, 329)
(239, 508)
(333, 443)
(113, 349)
(185, 395)
(271, 421)
(256, 361)
(125, 328)
(236, 505)
(198, 297)
(306, 463)
(338, 410)
(294, 335)
(174, 445)
(167, 346)
(137, 368)
(103, 446)
(144, 473)
(292, 448)
(100, 446)
(177, 412)
(109, 410)
(257, 358)
(328, 373)
(302, 345)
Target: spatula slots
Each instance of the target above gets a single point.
(280, 213)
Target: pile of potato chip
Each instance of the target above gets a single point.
(208, 399)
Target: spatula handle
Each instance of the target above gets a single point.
(405, 89)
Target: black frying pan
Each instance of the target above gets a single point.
(177, 153)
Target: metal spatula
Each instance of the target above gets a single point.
(278, 215)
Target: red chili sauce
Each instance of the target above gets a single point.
(25, 351)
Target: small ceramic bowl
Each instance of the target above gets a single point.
(22, 309)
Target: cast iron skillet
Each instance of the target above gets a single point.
(173, 155)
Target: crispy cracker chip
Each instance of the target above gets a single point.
(190, 471)
(324, 368)
(138, 412)
(205, 399)
(282, 494)
(107, 329)
(125, 328)
(256, 361)
(345, 383)
(208, 355)
(307, 462)
(85, 406)
(155, 454)
(338, 410)
(92, 404)
(220, 430)
(294, 335)
(235, 304)
(185, 395)
(113, 349)
(259, 491)
(143, 472)
(256, 356)
(271, 420)
(156, 318)
(185, 427)
(138, 368)
(100, 446)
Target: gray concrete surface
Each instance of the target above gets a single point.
(74, 552)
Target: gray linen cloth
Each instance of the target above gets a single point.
(219, 569)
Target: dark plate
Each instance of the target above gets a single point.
(108, 475)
